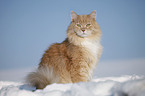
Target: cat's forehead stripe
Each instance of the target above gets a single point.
(83, 18)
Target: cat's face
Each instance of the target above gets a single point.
(83, 25)
(83, 29)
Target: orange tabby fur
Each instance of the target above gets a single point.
(75, 58)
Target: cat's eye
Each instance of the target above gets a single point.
(79, 25)
(88, 25)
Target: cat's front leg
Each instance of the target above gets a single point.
(80, 71)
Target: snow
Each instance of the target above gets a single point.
(129, 85)
(111, 78)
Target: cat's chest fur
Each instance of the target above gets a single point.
(91, 46)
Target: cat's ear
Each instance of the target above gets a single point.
(73, 15)
(93, 14)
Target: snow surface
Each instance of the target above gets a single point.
(130, 85)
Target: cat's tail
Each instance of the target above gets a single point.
(42, 77)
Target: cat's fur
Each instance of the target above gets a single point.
(75, 58)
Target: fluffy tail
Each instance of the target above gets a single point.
(42, 77)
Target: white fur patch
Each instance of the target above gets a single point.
(92, 46)
(42, 77)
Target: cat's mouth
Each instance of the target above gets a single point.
(82, 35)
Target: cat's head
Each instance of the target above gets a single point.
(83, 26)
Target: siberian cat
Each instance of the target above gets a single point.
(75, 58)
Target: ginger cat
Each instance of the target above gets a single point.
(75, 58)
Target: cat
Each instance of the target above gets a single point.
(75, 58)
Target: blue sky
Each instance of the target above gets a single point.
(28, 27)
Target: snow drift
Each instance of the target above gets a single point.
(108, 86)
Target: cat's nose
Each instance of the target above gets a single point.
(83, 30)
